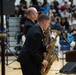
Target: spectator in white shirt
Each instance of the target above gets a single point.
(72, 21)
(64, 14)
(57, 44)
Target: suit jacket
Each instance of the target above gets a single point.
(33, 48)
(27, 25)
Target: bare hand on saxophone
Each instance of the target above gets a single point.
(45, 63)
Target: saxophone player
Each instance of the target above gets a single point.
(31, 56)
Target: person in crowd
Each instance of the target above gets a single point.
(31, 56)
(45, 8)
(35, 3)
(56, 26)
(20, 33)
(20, 10)
(56, 3)
(64, 13)
(74, 14)
(71, 39)
(57, 44)
(31, 4)
(39, 7)
(62, 3)
(65, 28)
(51, 5)
(53, 20)
(72, 21)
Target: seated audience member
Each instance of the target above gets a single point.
(57, 44)
(53, 21)
(65, 28)
(71, 39)
(21, 9)
(64, 13)
(56, 26)
(45, 8)
(72, 21)
(20, 34)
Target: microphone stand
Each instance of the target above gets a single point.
(3, 36)
(66, 40)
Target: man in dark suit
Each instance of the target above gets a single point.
(31, 56)
(29, 21)
(31, 17)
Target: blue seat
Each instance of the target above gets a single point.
(62, 42)
(65, 47)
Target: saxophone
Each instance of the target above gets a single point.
(49, 56)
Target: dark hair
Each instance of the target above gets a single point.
(43, 17)
(73, 30)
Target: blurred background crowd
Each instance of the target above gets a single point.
(62, 16)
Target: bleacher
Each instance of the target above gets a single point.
(13, 28)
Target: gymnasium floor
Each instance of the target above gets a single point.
(14, 68)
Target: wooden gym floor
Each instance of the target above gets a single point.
(14, 68)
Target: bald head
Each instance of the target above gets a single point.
(32, 13)
(31, 10)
